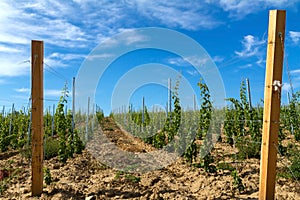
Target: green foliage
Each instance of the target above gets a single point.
(128, 177)
(47, 176)
(205, 116)
(4, 180)
(47, 124)
(205, 112)
(77, 143)
(137, 117)
(171, 124)
(225, 166)
(237, 181)
(62, 127)
(69, 142)
(295, 166)
(207, 164)
(242, 126)
(4, 130)
(191, 152)
(51, 146)
(294, 116)
(13, 130)
(293, 170)
(99, 115)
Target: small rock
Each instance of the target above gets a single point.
(78, 178)
(56, 166)
(90, 198)
(24, 190)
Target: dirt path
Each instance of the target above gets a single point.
(85, 177)
(123, 139)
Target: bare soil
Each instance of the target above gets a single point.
(85, 177)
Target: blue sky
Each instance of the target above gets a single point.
(233, 32)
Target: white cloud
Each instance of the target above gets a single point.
(13, 67)
(177, 61)
(246, 66)
(296, 71)
(82, 24)
(260, 61)
(67, 56)
(47, 92)
(198, 62)
(251, 46)
(190, 15)
(218, 59)
(295, 36)
(295, 76)
(286, 87)
(99, 56)
(53, 63)
(241, 8)
(126, 37)
(182, 62)
(193, 72)
(22, 90)
(52, 93)
(7, 49)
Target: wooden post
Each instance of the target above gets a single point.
(37, 55)
(73, 107)
(143, 110)
(87, 121)
(170, 95)
(249, 93)
(272, 95)
(52, 126)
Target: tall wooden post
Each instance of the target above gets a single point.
(249, 93)
(87, 121)
(272, 95)
(170, 95)
(143, 110)
(195, 103)
(73, 106)
(37, 56)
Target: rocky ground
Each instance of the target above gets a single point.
(85, 177)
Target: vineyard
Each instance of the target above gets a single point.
(229, 170)
(239, 150)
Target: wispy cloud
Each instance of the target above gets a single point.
(126, 37)
(190, 15)
(246, 66)
(218, 59)
(260, 61)
(53, 93)
(193, 72)
(198, 62)
(295, 71)
(286, 87)
(13, 67)
(241, 8)
(22, 90)
(295, 76)
(295, 36)
(56, 23)
(99, 56)
(177, 61)
(7, 49)
(251, 46)
(47, 92)
(67, 56)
